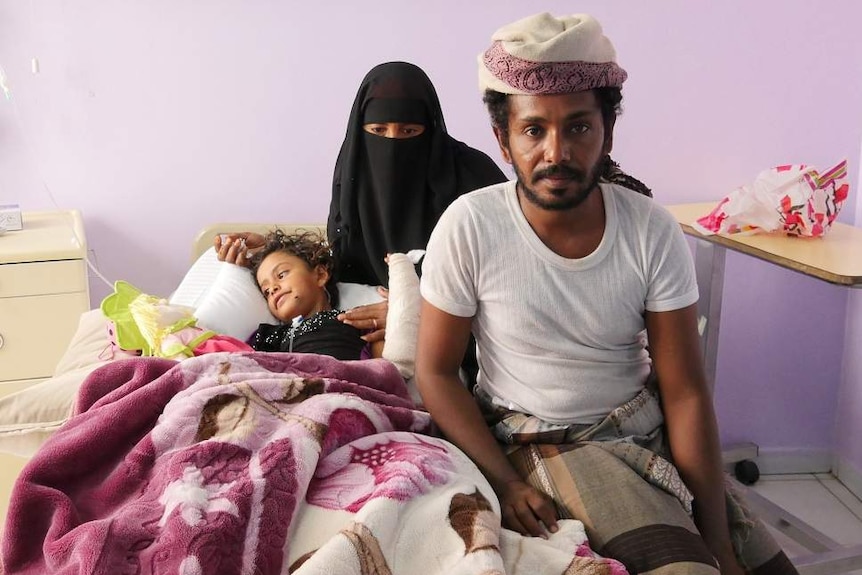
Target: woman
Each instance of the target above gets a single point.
(397, 170)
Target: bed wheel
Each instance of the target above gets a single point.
(746, 472)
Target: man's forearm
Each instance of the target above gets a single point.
(693, 439)
(458, 416)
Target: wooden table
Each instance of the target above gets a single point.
(836, 258)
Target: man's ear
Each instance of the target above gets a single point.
(503, 142)
(608, 145)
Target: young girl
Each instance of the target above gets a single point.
(294, 274)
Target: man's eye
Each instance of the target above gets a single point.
(532, 131)
(580, 128)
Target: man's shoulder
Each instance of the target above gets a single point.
(485, 198)
(628, 196)
(477, 211)
(634, 205)
(492, 191)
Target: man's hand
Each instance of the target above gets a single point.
(238, 248)
(727, 563)
(526, 510)
(369, 317)
(730, 566)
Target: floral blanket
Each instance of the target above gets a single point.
(263, 464)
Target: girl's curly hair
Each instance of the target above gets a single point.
(308, 245)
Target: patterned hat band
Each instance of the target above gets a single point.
(517, 76)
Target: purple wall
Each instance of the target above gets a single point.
(155, 118)
(848, 428)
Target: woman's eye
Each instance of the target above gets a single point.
(376, 129)
(412, 130)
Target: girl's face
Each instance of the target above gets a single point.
(291, 287)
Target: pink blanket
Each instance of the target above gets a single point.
(263, 464)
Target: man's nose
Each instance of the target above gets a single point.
(557, 148)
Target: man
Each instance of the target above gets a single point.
(562, 279)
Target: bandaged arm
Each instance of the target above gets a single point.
(402, 318)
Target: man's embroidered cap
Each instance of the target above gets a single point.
(543, 54)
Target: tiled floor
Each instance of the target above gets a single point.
(820, 500)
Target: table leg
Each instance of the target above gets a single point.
(709, 267)
(828, 556)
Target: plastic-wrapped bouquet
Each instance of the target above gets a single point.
(793, 199)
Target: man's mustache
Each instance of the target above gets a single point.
(558, 170)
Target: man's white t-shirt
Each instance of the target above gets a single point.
(561, 339)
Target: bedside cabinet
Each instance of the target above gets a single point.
(43, 292)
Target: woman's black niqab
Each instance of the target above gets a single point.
(387, 194)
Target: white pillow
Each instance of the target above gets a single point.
(197, 280)
(90, 346)
(355, 295)
(233, 304)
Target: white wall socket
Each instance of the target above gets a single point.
(10, 218)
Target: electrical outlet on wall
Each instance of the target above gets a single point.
(10, 218)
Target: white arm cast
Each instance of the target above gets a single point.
(402, 319)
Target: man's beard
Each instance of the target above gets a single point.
(560, 204)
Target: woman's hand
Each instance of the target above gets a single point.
(526, 510)
(238, 248)
(369, 317)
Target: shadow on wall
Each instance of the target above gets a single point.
(778, 328)
(144, 268)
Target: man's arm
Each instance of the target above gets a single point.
(691, 424)
(443, 339)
